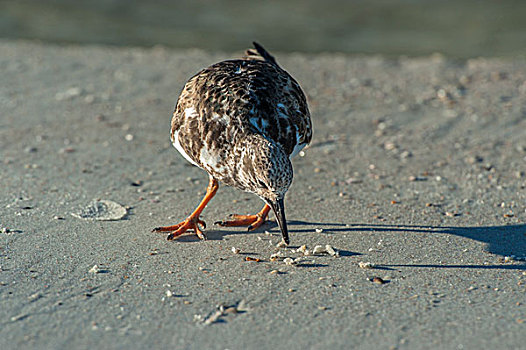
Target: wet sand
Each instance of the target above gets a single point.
(417, 166)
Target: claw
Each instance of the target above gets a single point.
(200, 234)
(168, 228)
(190, 223)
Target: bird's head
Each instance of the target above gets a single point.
(268, 173)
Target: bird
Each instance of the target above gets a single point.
(241, 120)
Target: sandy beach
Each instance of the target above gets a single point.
(416, 177)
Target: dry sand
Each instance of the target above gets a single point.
(417, 167)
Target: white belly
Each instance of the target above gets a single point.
(178, 146)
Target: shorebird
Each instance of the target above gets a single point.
(241, 121)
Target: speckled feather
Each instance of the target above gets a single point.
(238, 118)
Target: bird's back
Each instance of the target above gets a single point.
(232, 99)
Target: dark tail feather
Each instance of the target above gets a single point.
(259, 53)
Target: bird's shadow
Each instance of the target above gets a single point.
(505, 240)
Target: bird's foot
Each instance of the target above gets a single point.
(191, 223)
(252, 221)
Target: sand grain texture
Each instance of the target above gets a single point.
(417, 166)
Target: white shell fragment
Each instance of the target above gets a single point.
(94, 269)
(281, 244)
(277, 255)
(288, 261)
(365, 265)
(235, 250)
(303, 250)
(330, 250)
(298, 260)
(102, 210)
(214, 317)
(221, 311)
(318, 250)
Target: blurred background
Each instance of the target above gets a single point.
(456, 28)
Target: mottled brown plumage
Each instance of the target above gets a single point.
(241, 121)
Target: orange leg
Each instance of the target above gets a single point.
(252, 221)
(192, 222)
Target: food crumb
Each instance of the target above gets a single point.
(235, 250)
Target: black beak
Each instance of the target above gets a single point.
(279, 210)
